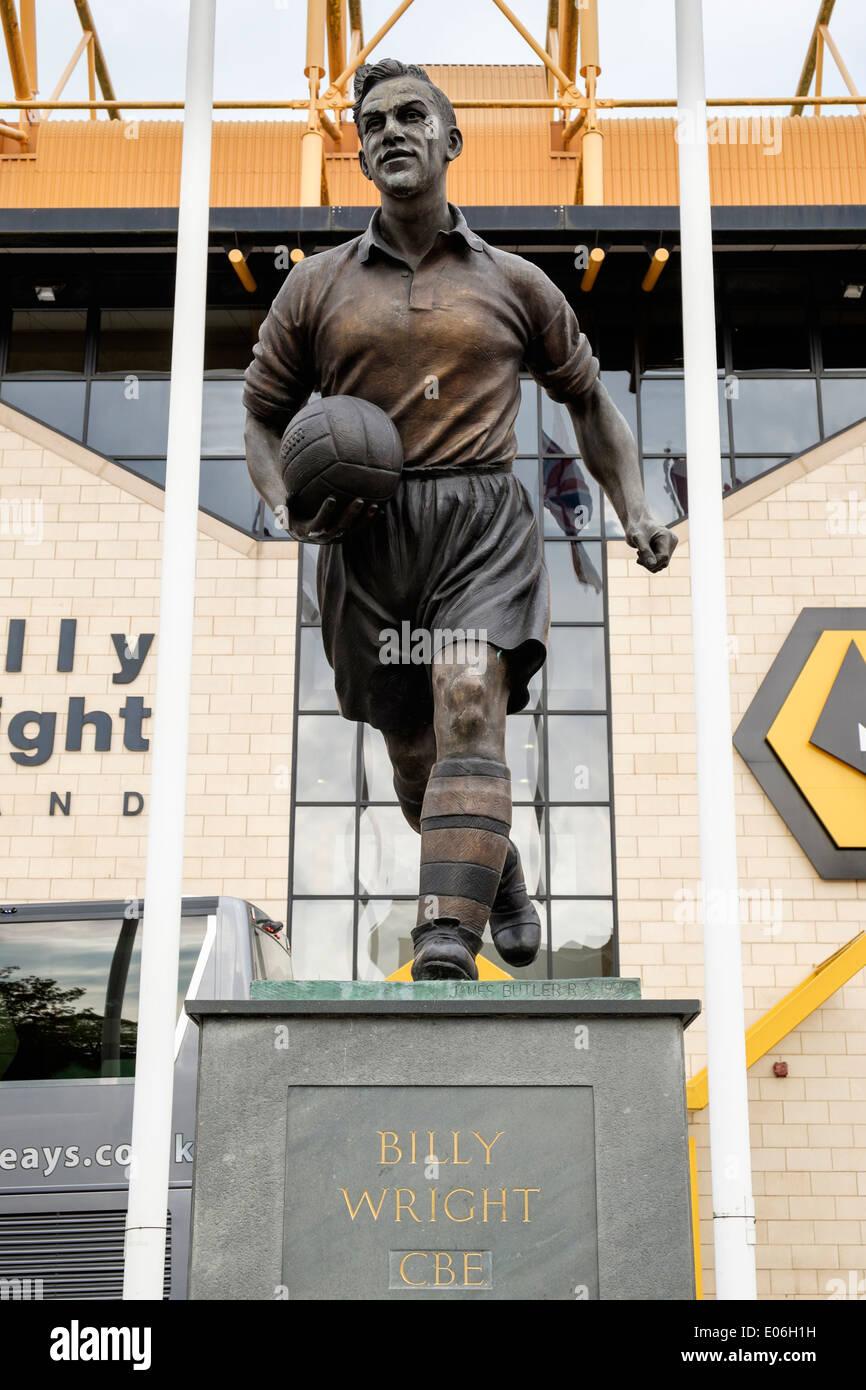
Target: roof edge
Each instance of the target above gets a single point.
(565, 218)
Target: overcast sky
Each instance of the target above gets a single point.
(753, 47)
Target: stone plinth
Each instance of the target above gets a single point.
(507, 1140)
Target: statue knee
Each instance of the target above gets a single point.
(411, 761)
(462, 708)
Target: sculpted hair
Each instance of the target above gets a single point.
(370, 75)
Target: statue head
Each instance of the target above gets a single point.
(406, 126)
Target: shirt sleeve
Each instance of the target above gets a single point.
(281, 376)
(559, 355)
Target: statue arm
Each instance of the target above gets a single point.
(561, 359)
(608, 448)
(262, 444)
(277, 384)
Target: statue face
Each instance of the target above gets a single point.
(406, 143)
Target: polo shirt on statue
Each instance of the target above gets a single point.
(438, 349)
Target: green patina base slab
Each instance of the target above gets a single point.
(376, 990)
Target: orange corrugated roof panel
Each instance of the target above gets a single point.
(113, 164)
(481, 81)
(507, 160)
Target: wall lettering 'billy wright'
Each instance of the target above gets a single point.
(33, 736)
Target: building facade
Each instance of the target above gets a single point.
(291, 807)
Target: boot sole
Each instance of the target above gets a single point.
(441, 970)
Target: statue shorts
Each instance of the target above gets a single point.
(452, 553)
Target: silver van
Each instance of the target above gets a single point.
(69, 977)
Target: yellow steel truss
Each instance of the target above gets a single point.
(797, 1004)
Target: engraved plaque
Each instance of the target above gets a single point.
(440, 1192)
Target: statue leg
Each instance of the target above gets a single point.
(514, 921)
(412, 753)
(514, 924)
(465, 816)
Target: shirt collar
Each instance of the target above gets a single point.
(373, 236)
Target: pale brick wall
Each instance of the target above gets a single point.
(98, 561)
(809, 1129)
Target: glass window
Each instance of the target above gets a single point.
(309, 595)
(324, 850)
(724, 433)
(843, 336)
(843, 401)
(384, 936)
(526, 424)
(583, 307)
(619, 388)
(770, 337)
(524, 745)
(385, 940)
(222, 424)
(580, 850)
(612, 524)
(575, 580)
(527, 832)
(47, 340)
(377, 771)
(389, 852)
(325, 758)
(152, 469)
(536, 691)
(774, 416)
(613, 344)
(576, 668)
(662, 338)
(558, 435)
(667, 486)
(663, 416)
(69, 996)
(582, 938)
(577, 745)
(226, 490)
(557, 431)
(527, 472)
(322, 940)
(134, 340)
(128, 417)
(229, 338)
(572, 498)
(270, 527)
(224, 487)
(316, 682)
(749, 469)
(59, 404)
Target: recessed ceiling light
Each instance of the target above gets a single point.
(45, 293)
(852, 292)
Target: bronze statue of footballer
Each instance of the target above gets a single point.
(419, 298)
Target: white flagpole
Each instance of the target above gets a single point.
(154, 1067)
(730, 1157)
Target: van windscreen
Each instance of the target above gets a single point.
(69, 996)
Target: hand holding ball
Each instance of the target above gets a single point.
(340, 458)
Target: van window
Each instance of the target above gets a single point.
(69, 996)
